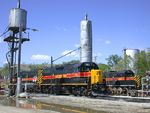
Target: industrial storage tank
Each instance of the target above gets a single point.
(86, 40)
(131, 53)
(147, 50)
(17, 18)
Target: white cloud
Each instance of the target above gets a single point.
(107, 42)
(97, 57)
(77, 45)
(102, 40)
(0, 40)
(40, 57)
(57, 28)
(70, 54)
(5, 62)
(98, 54)
(99, 40)
(64, 29)
(61, 28)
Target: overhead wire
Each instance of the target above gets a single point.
(5, 31)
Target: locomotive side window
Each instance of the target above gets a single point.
(68, 68)
(24, 74)
(59, 70)
(129, 73)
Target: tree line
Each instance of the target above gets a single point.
(140, 64)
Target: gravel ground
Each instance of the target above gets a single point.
(109, 106)
(100, 105)
(6, 109)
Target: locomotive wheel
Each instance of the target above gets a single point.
(132, 93)
(125, 91)
(119, 91)
(114, 91)
(75, 92)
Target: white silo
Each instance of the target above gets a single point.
(147, 50)
(86, 40)
(131, 54)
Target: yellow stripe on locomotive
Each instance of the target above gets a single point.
(40, 77)
(137, 79)
(96, 76)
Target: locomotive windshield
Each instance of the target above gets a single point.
(87, 66)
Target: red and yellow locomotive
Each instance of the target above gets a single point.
(76, 79)
(79, 79)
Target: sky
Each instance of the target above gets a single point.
(116, 24)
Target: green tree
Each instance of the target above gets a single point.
(38, 66)
(104, 67)
(4, 70)
(129, 63)
(120, 65)
(148, 58)
(113, 60)
(142, 63)
(72, 62)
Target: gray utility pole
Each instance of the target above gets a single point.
(125, 58)
(18, 90)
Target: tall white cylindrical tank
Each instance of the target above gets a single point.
(17, 18)
(131, 53)
(86, 40)
(147, 50)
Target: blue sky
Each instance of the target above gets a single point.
(117, 24)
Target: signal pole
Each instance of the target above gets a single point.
(18, 90)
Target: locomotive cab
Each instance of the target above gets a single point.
(93, 69)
